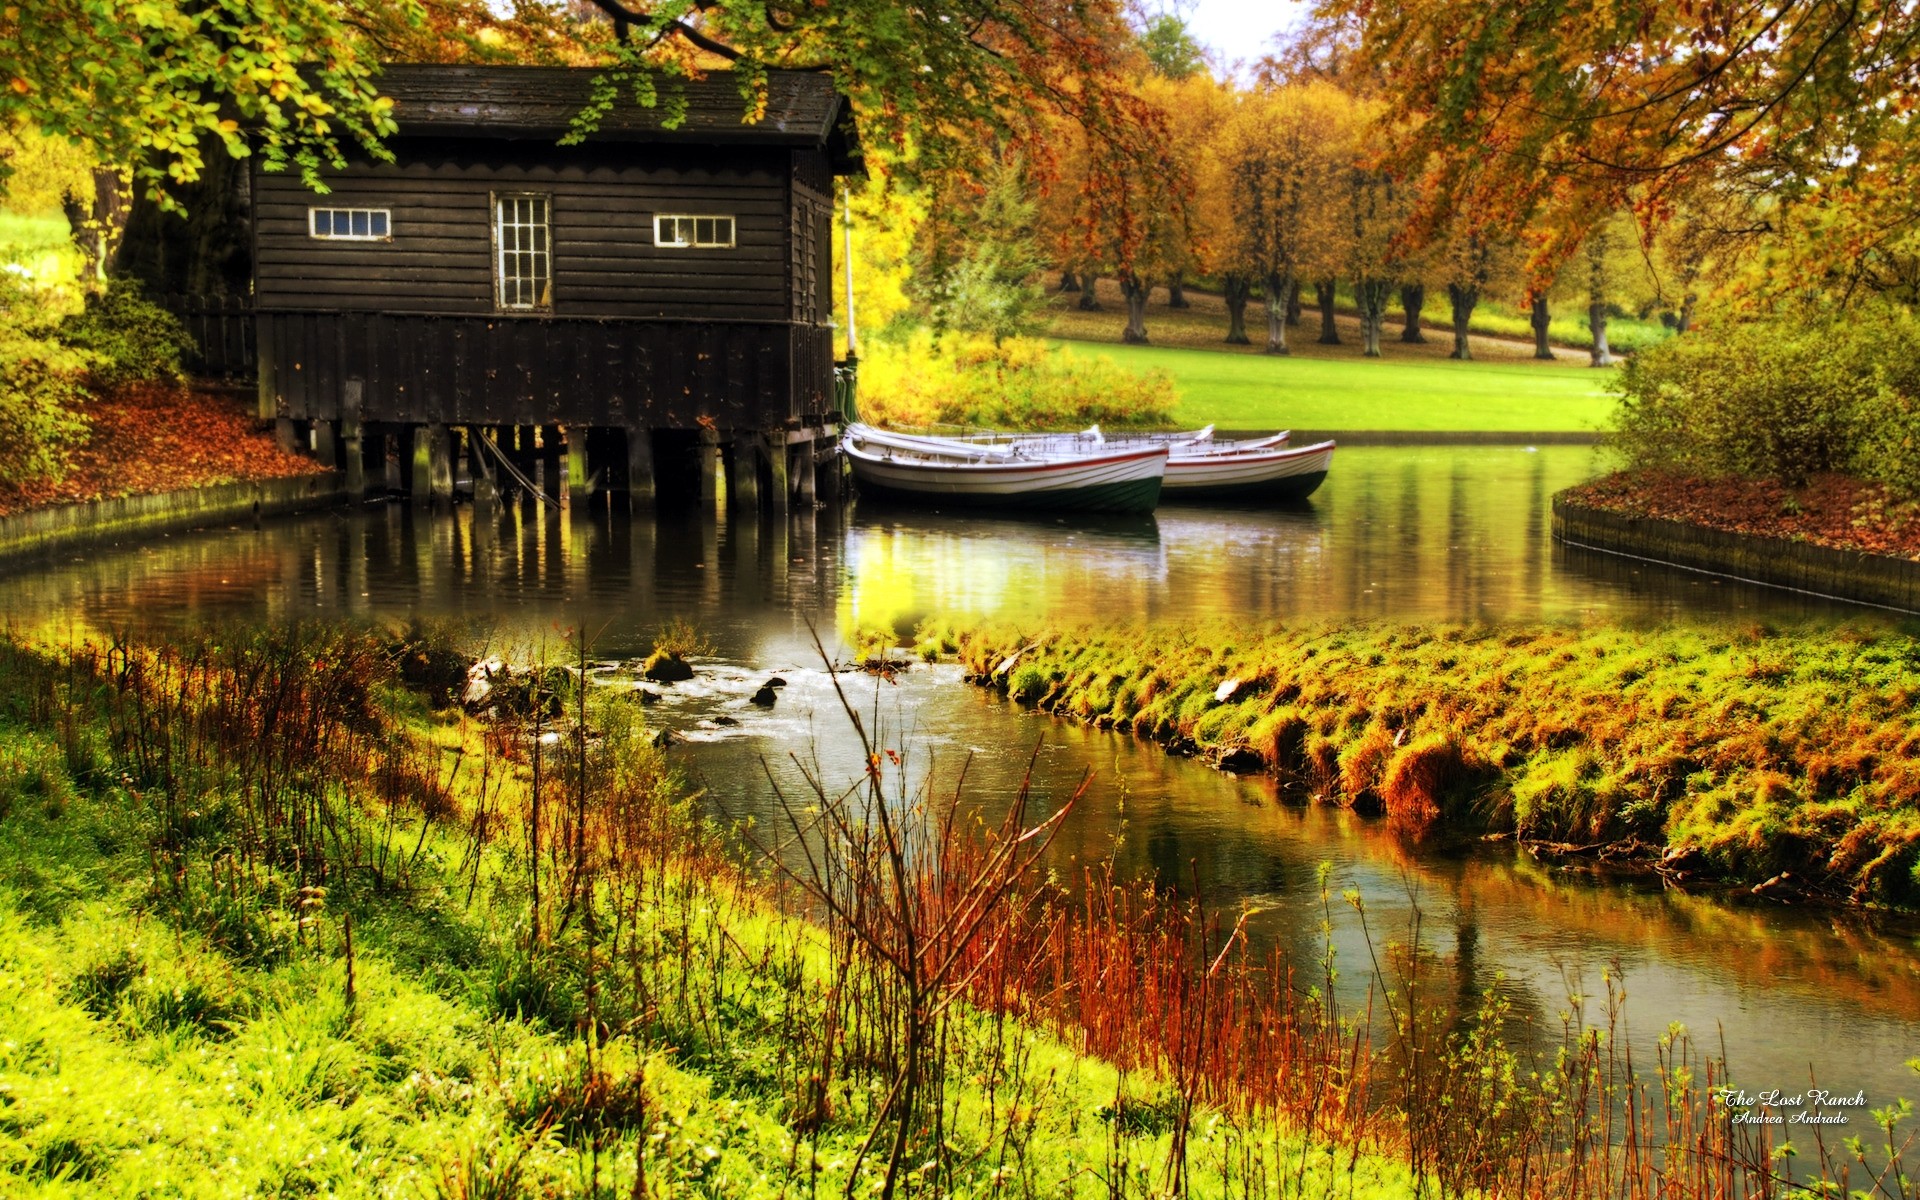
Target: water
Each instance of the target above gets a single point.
(1397, 533)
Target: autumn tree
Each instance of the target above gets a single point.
(1285, 160)
(1377, 210)
(1568, 113)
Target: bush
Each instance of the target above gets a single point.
(41, 392)
(1782, 398)
(1017, 383)
(132, 339)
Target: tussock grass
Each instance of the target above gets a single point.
(1740, 755)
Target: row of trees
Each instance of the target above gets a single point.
(1289, 186)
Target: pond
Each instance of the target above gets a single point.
(1414, 534)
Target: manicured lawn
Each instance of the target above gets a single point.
(1253, 391)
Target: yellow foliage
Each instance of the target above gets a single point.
(885, 221)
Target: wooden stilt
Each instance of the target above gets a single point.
(421, 477)
(640, 484)
(353, 437)
(552, 455)
(708, 465)
(439, 464)
(326, 444)
(743, 473)
(286, 431)
(773, 455)
(577, 474)
(805, 486)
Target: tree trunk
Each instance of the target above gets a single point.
(1541, 319)
(1597, 323)
(1323, 295)
(1177, 292)
(1068, 281)
(1279, 287)
(1135, 289)
(1089, 298)
(206, 252)
(1463, 300)
(1238, 288)
(1685, 320)
(97, 219)
(1293, 304)
(1413, 298)
(1373, 295)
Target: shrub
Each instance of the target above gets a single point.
(1782, 398)
(1016, 383)
(132, 339)
(41, 392)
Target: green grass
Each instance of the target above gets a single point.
(174, 1016)
(38, 245)
(1255, 391)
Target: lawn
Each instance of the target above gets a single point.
(1254, 391)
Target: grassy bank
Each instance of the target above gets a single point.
(1784, 760)
(268, 926)
(1253, 391)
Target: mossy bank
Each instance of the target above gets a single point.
(1783, 761)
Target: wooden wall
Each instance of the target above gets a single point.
(528, 371)
(440, 257)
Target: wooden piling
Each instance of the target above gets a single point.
(439, 464)
(804, 472)
(353, 445)
(640, 482)
(420, 479)
(743, 472)
(772, 453)
(707, 463)
(577, 474)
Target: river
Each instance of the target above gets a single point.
(1402, 534)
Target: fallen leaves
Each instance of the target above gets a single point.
(1831, 510)
(150, 439)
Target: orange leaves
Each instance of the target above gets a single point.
(155, 439)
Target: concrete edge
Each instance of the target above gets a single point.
(1877, 580)
(48, 531)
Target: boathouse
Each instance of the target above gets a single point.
(644, 302)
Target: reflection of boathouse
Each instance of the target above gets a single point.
(652, 298)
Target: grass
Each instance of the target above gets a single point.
(390, 952)
(1240, 391)
(1784, 759)
(37, 245)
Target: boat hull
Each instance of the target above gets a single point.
(1281, 475)
(1125, 483)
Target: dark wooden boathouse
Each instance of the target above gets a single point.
(646, 303)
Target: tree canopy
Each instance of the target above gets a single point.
(1800, 108)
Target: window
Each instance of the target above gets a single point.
(523, 252)
(349, 224)
(672, 231)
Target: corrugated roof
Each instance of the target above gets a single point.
(540, 103)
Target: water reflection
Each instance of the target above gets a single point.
(1396, 533)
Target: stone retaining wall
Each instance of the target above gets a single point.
(1802, 566)
(100, 522)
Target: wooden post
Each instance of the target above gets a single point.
(353, 436)
(439, 464)
(577, 476)
(805, 491)
(743, 474)
(773, 451)
(267, 400)
(421, 477)
(287, 433)
(707, 463)
(326, 444)
(640, 467)
(390, 445)
(551, 455)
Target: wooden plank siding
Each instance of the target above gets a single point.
(605, 263)
(461, 370)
